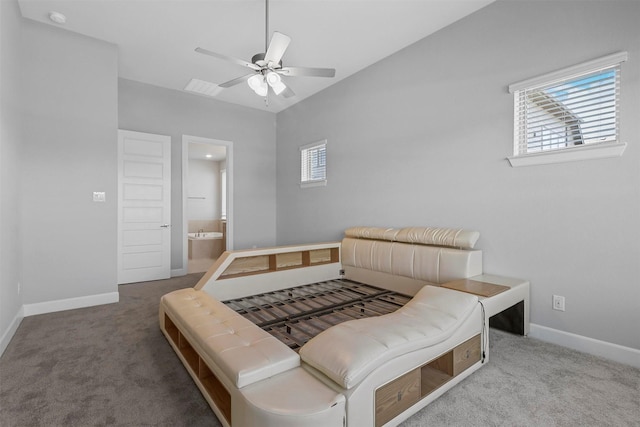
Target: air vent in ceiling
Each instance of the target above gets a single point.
(202, 87)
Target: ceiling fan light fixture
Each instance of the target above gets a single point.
(262, 89)
(273, 78)
(255, 82)
(275, 81)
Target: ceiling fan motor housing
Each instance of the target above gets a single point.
(258, 59)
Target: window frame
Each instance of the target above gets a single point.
(613, 148)
(307, 183)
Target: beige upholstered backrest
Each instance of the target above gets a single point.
(451, 237)
(435, 255)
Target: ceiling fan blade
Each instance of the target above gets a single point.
(227, 58)
(279, 43)
(307, 72)
(236, 81)
(288, 93)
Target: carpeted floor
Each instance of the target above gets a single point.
(110, 365)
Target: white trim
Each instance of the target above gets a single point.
(618, 353)
(571, 154)
(70, 303)
(185, 176)
(313, 145)
(603, 62)
(316, 183)
(11, 330)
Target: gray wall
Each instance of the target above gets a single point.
(146, 108)
(69, 151)
(421, 138)
(10, 139)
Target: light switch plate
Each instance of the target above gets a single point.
(99, 196)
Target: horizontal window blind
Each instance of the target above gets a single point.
(579, 110)
(313, 163)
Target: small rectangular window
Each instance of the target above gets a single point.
(568, 108)
(313, 164)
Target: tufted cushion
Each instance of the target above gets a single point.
(348, 352)
(452, 237)
(243, 351)
(427, 263)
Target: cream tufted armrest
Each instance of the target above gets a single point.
(244, 352)
(348, 352)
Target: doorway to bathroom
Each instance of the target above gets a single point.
(207, 190)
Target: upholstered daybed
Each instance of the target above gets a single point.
(364, 332)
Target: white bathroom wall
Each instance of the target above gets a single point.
(203, 197)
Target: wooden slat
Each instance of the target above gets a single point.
(313, 308)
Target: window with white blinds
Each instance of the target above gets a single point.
(568, 108)
(313, 164)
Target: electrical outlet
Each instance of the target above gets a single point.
(99, 196)
(558, 303)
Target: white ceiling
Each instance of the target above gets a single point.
(156, 38)
(199, 151)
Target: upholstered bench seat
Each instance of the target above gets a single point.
(245, 353)
(350, 351)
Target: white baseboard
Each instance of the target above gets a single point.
(179, 272)
(70, 303)
(11, 330)
(615, 352)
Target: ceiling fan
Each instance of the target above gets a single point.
(267, 69)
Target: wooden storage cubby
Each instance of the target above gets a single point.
(216, 390)
(247, 266)
(441, 370)
(200, 371)
(188, 353)
(398, 395)
(171, 329)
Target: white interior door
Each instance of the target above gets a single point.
(144, 207)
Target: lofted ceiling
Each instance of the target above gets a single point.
(156, 38)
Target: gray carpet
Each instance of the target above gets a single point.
(110, 365)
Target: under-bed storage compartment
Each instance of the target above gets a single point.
(400, 394)
(212, 385)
